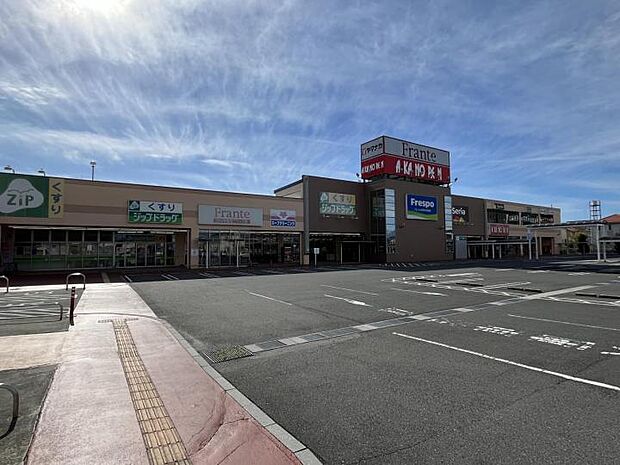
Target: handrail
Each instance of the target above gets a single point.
(75, 274)
(7, 283)
(15, 395)
(61, 310)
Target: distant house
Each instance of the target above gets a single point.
(612, 228)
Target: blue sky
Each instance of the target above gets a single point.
(249, 95)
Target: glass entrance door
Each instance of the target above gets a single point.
(140, 254)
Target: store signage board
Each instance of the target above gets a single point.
(412, 169)
(421, 207)
(499, 230)
(31, 196)
(332, 203)
(154, 212)
(385, 145)
(283, 218)
(223, 215)
(460, 215)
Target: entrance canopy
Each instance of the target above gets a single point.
(596, 224)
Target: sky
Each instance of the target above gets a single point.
(248, 95)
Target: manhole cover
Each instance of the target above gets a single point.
(227, 353)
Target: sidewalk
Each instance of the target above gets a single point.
(128, 391)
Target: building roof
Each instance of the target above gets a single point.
(613, 219)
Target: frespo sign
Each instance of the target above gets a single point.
(240, 216)
(154, 212)
(387, 155)
(31, 196)
(421, 207)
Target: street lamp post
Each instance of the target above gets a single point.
(41, 171)
(93, 163)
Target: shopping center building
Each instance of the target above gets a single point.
(401, 210)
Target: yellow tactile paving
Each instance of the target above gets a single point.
(163, 443)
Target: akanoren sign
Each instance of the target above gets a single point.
(31, 196)
(387, 155)
(221, 215)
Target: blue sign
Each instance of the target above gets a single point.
(421, 207)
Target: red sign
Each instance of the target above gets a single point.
(386, 164)
(501, 230)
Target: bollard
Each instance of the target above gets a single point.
(15, 395)
(7, 283)
(72, 307)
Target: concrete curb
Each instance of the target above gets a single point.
(303, 454)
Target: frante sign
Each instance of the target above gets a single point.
(386, 155)
(283, 218)
(331, 203)
(32, 196)
(421, 207)
(215, 214)
(154, 212)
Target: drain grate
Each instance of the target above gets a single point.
(163, 443)
(227, 353)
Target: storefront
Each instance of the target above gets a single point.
(247, 234)
(31, 249)
(401, 209)
(248, 248)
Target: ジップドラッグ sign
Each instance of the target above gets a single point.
(216, 214)
(460, 215)
(332, 203)
(421, 207)
(154, 212)
(283, 218)
(31, 196)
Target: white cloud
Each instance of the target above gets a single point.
(525, 96)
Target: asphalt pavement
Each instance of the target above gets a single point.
(439, 365)
(32, 385)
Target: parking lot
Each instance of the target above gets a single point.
(35, 311)
(435, 365)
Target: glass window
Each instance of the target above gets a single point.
(529, 218)
(106, 236)
(59, 235)
(75, 236)
(41, 235)
(23, 235)
(496, 216)
(513, 217)
(91, 236)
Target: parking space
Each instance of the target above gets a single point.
(454, 365)
(34, 311)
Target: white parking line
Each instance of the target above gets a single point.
(419, 292)
(558, 292)
(351, 290)
(268, 298)
(497, 286)
(520, 365)
(350, 301)
(564, 322)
